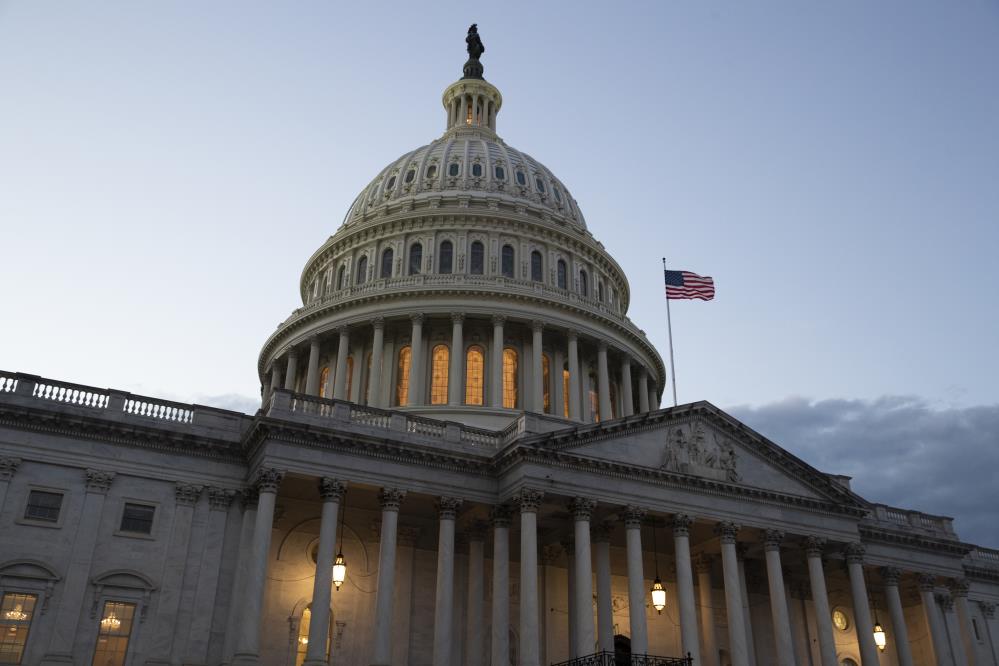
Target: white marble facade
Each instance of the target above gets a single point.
(462, 408)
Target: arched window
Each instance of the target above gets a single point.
(477, 170)
(362, 270)
(546, 382)
(507, 261)
(324, 378)
(446, 256)
(387, 257)
(410, 175)
(562, 279)
(477, 261)
(402, 376)
(438, 376)
(594, 398)
(302, 644)
(565, 392)
(475, 363)
(510, 378)
(431, 171)
(367, 381)
(500, 172)
(584, 289)
(454, 169)
(350, 378)
(537, 267)
(415, 258)
(340, 274)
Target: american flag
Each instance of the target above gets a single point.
(684, 284)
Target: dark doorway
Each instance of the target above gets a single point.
(622, 650)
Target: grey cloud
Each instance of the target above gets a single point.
(234, 401)
(899, 451)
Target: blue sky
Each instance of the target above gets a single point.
(167, 168)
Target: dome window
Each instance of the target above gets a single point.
(390, 184)
(510, 378)
(537, 266)
(475, 364)
(507, 261)
(362, 270)
(439, 358)
(410, 175)
(415, 258)
(431, 171)
(584, 289)
(558, 195)
(478, 258)
(562, 279)
(500, 172)
(446, 256)
(387, 257)
(600, 291)
(340, 277)
(402, 376)
(477, 170)
(521, 178)
(540, 184)
(454, 169)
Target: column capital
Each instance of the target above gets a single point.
(498, 319)
(927, 582)
(572, 335)
(681, 524)
(314, 340)
(378, 323)
(416, 318)
(581, 508)
(814, 546)
(727, 531)
(248, 498)
(537, 325)
(959, 587)
(601, 345)
(499, 515)
(219, 499)
(529, 500)
(633, 517)
(98, 481)
(945, 600)
(703, 563)
(477, 530)
(988, 609)
(891, 575)
(447, 507)
(854, 553)
(343, 330)
(268, 479)
(290, 352)
(772, 540)
(331, 490)
(602, 532)
(457, 317)
(8, 465)
(390, 498)
(187, 494)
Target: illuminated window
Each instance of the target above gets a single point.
(478, 258)
(565, 393)
(340, 274)
(477, 170)
(561, 270)
(415, 258)
(438, 376)
(584, 288)
(324, 378)
(367, 381)
(114, 630)
(475, 361)
(16, 612)
(546, 382)
(594, 399)
(387, 257)
(431, 171)
(350, 378)
(510, 378)
(446, 256)
(537, 266)
(402, 380)
(362, 270)
(302, 644)
(468, 116)
(507, 261)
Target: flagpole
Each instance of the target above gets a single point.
(669, 329)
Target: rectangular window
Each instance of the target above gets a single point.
(114, 630)
(16, 611)
(43, 505)
(137, 518)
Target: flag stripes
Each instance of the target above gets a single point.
(687, 285)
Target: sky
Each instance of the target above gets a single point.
(166, 169)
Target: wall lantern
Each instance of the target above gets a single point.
(339, 564)
(879, 636)
(658, 591)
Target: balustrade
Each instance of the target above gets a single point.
(623, 659)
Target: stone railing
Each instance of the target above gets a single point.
(114, 403)
(906, 519)
(984, 557)
(617, 659)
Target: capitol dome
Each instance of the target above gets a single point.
(465, 285)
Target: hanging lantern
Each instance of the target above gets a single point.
(658, 596)
(111, 622)
(17, 614)
(879, 636)
(339, 570)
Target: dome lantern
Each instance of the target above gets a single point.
(472, 102)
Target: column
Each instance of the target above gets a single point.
(537, 379)
(938, 634)
(77, 575)
(709, 654)
(740, 551)
(581, 509)
(643, 391)
(653, 398)
(626, 396)
(959, 592)
(946, 602)
(988, 612)
(529, 500)
(312, 376)
(574, 384)
(207, 590)
(377, 353)
(455, 380)
(340, 374)
(603, 382)
(275, 378)
(291, 370)
(570, 573)
(476, 640)
(331, 492)
(190, 569)
(685, 587)
(496, 364)
(861, 610)
(248, 499)
(248, 627)
(820, 600)
(390, 499)
(8, 466)
(727, 532)
(403, 593)
(605, 609)
(447, 509)
(500, 516)
(778, 601)
(900, 633)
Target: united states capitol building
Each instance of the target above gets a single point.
(459, 460)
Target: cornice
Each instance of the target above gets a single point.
(870, 533)
(981, 573)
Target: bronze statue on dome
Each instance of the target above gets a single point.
(473, 68)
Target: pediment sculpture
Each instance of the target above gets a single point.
(699, 454)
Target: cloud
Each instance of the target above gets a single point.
(233, 401)
(899, 451)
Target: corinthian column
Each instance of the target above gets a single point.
(891, 577)
(312, 374)
(455, 383)
(959, 591)
(605, 609)
(727, 532)
(340, 374)
(626, 396)
(331, 492)
(603, 380)
(643, 391)
(476, 639)
(820, 600)
(447, 509)
(500, 516)
(861, 610)
(953, 633)
(291, 370)
(530, 639)
(8, 466)
(581, 509)
(496, 366)
(708, 640)
(938, 634)
(537, 379)
(416, 374)
(778, 602)
(377, 353)
(574, 380)
(988, 613)
(390, 499)
(685, 587)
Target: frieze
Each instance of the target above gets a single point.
(695, 453)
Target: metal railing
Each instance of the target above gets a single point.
(623, 659)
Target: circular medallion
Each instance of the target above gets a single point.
(840, 620)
